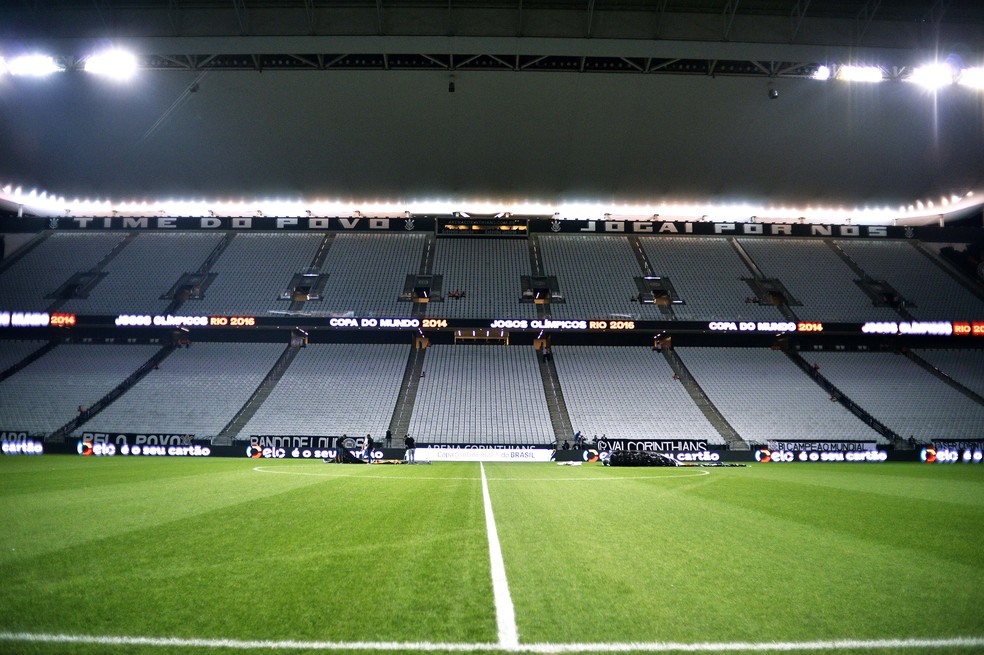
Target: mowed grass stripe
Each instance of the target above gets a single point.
(676, 559)
(70, 501)
(551, 520)
(330, 559)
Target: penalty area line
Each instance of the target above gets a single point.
(423, 646)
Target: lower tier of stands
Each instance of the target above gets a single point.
(490, 394)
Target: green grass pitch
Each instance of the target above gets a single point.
(310, 552)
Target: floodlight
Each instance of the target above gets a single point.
(972, 78)
(851, 73)
(114, 64)
(933, 76)
(821, 73)
(33, 66)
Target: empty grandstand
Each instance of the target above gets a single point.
(334, 389)
(824, 287)
(32, 282)
(924, 289)
(487, 272)
(366, 274)
(966, 367)
(628, 393)
(138, 278)
(709, 277)
(904, 396)
(765, 396)
(481, 394)
(65, 382)
(253, 273)
(605, 377)
(596, 276)
(195, 391)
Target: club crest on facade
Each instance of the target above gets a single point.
(408, 224)
(555, 225)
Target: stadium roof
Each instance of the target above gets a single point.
(641, 102)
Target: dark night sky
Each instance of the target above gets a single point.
(539, 136)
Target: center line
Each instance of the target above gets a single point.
(505, 614)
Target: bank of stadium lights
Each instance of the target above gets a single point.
(853, 73)
(933, 76)
(972, 78)
(35, 65)
(821, 73)
(113, 64)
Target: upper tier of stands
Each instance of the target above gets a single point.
(27, 283)
(816, 277)
(47, 393)
(488, 271)
(253, 272)
(930, 293)
(366, 273)
(481, 394)
(765, 396)
(334, 389)
(596, 276)
(627, 393)
(143, 271)
(196, 390)
(708, 275)
(902, 395)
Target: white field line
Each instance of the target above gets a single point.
(650, 647)
(505, 614)
(293, 470)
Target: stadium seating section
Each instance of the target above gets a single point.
(490, 394)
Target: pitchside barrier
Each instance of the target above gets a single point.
(945, 452)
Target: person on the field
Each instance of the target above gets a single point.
(411, 446)
(369, 446)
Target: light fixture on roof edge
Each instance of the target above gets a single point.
(972, 78)
(33, 66)
(113, 64)
(853, 73)
(934, 76)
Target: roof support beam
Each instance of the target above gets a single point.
(666, 63)
(174, 16)
(591, 6)
(796, 18)
(101, 5)
(865, 14)
(379, 17)
(728, 15)
(242, 16)
(312, 18)
(660, 12)
(935, 17)
(519, 19)
(936, 12)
